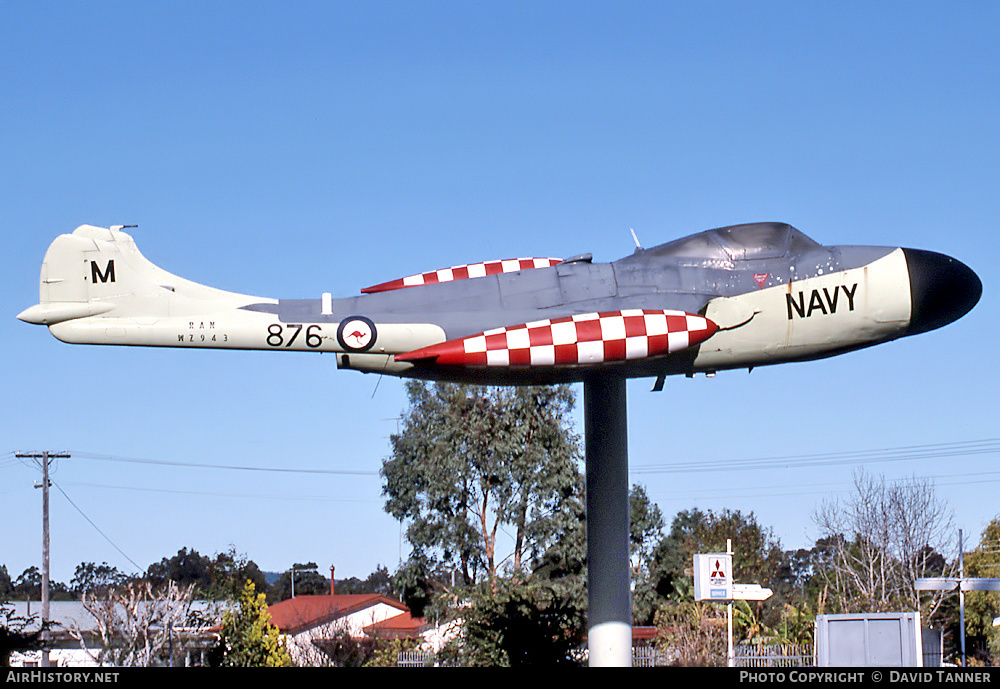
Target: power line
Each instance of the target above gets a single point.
(213, 494)
(743, 491)
(96, 528)
(878, 455)
(898, 454)
(226, 467)
(798, 489)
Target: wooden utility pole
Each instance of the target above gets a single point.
(44, 458)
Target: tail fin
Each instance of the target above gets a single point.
(96, 270)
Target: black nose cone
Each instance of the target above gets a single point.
(941, 290)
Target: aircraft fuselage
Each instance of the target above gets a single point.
(753, 295)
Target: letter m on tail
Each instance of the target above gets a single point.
(107, 276)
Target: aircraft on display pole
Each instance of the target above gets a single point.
(734, 297)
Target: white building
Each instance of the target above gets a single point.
(77, 643)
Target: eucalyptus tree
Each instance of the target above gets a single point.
(486, 479)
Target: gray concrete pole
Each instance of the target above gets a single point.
(609, 623)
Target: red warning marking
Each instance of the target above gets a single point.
(583, 339)
(472, 270)
(761, 279)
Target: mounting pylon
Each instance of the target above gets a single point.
(609, 611)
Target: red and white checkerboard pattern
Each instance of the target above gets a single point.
(583, 339)
(473, 270)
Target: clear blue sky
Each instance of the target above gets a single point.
(290, 148)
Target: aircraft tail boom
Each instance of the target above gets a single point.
(95, 287)
(96, 270)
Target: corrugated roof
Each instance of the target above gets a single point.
(68, 614)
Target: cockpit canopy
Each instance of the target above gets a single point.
(738, 243)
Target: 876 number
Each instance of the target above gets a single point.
(276, 334)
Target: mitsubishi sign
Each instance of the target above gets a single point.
(713, 576)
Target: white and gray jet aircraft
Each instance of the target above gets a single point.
(734, 297)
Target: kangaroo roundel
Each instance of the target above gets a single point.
(356, 334)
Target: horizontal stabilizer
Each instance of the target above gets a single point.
(580, 340)
(54, 312)
(472, 270)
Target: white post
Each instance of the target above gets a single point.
(730, 656)
(961, 592)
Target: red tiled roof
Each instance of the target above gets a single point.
(302, 612)
(400, 626)
(644, 633)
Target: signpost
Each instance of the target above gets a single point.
(713, 581)
(750, 592)
(963, 584)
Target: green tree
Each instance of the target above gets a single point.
(758, 559)
(248, 638)
(489, 483)
(386, 653)
(378, 581)
(28, 586)
(308, 582)
(982, 607)
(6, 584)
(416, 586)
(18, 633)
(186, 568)
(518, 623)
(646, 533)
(95, 579)
(221, 578)
(758, 556)
(470, 463)
(227, 574)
